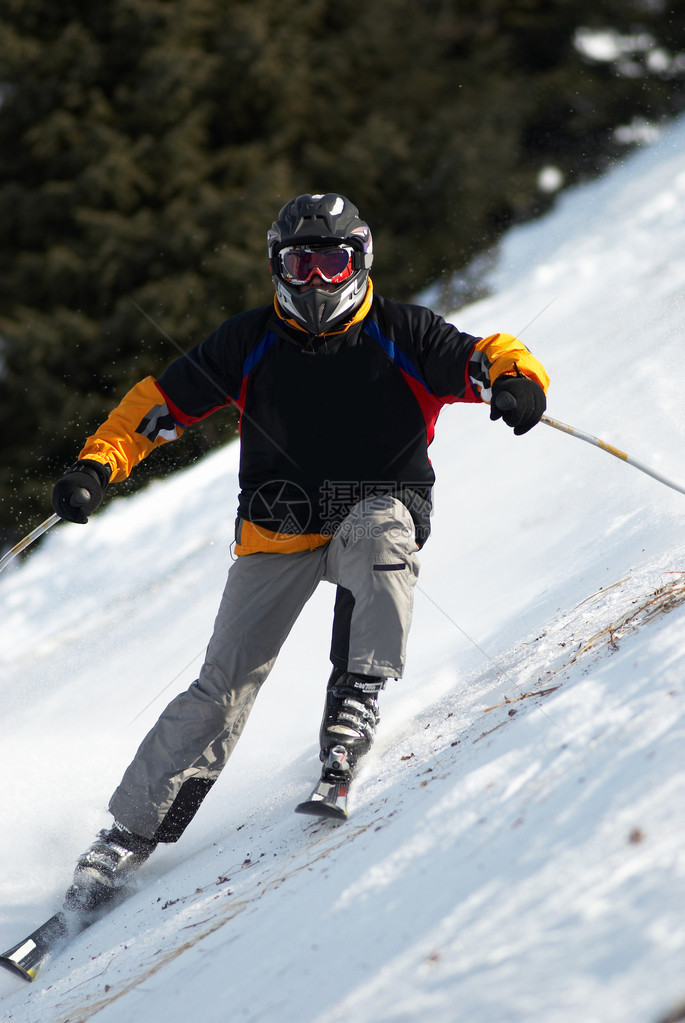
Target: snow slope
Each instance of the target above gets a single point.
(510, 857)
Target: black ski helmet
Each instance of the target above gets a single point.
(321, 221)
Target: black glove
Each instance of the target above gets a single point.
(520, 402)
(79, 492)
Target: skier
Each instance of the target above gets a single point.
(338, 391)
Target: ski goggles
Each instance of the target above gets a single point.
(297, 264)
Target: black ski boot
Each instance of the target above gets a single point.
(347, 731)
(351, 714)
(104, 872)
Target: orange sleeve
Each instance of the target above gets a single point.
(507, 356)
(138, 425)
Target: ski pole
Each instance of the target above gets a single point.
(77, 500)
(573, 432)
(23, 544)
(506, 401)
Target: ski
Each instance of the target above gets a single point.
(38, 948)
(329, 798)
(82, 907)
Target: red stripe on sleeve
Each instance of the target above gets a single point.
(181, 417)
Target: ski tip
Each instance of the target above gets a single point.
(319, 808)
(18, 970)
(31, 954)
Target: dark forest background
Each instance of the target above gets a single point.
(146, 146)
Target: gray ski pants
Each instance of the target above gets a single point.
(372, 559)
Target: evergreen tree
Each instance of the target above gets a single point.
(146, 145)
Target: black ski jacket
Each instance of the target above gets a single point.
(324, 422)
